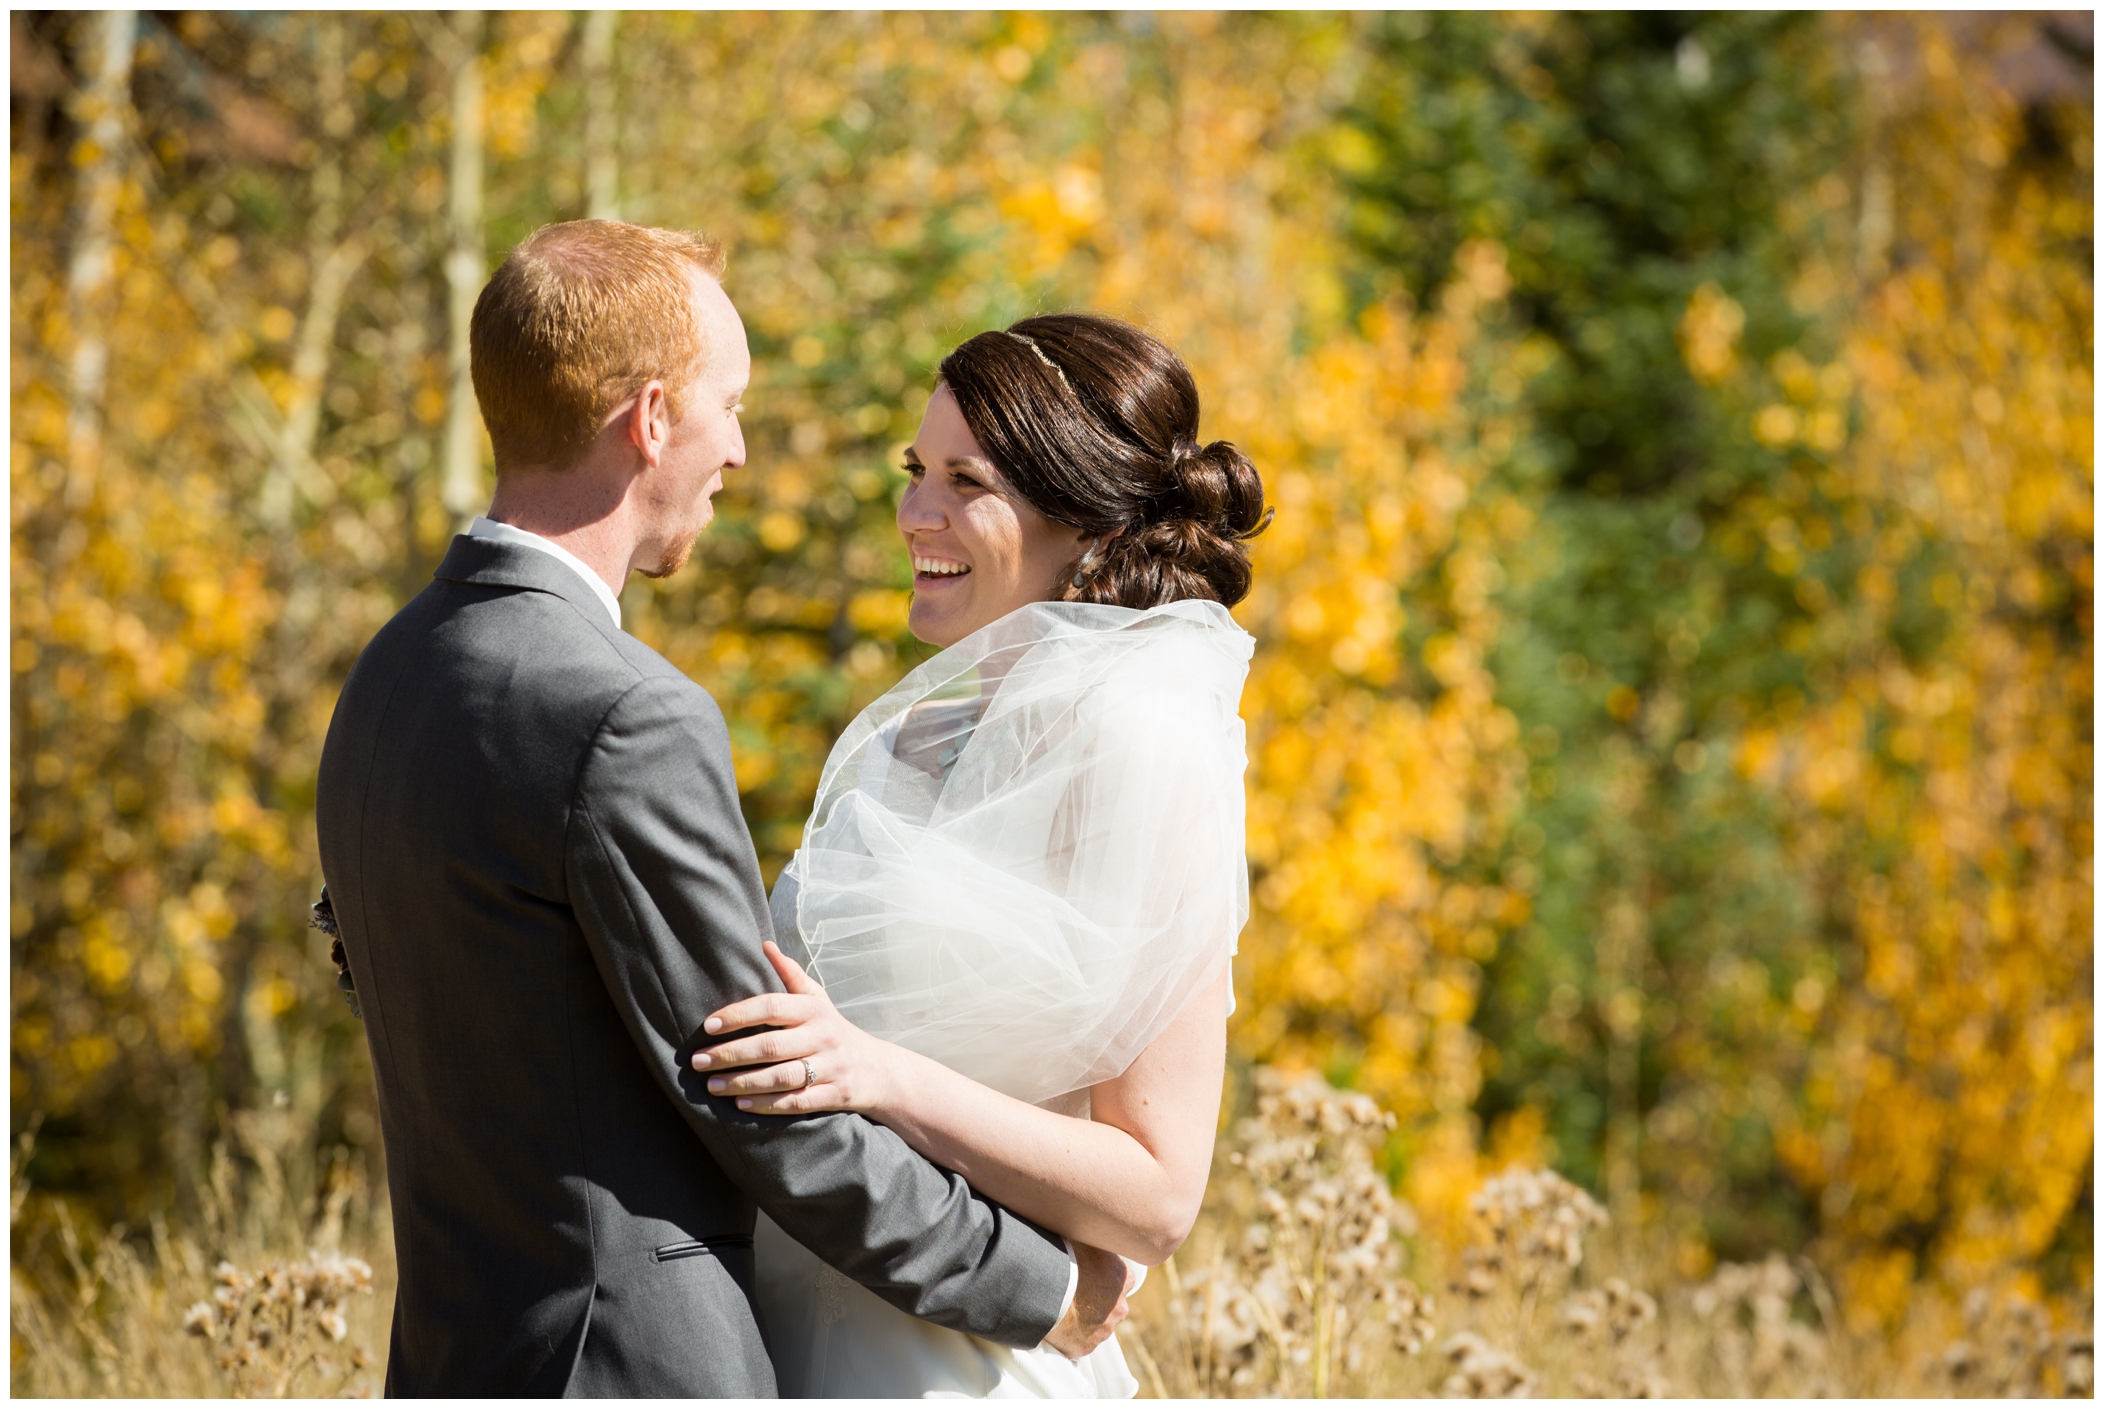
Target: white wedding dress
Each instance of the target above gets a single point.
(1023, 862)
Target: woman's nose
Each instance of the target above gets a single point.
(917, 510)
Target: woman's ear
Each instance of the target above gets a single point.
(1093, 544)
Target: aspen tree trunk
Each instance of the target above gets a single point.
(1623, 953)
(601, 163)
(332, 260)
(1874, 221)
(460, 486)
(1621, 976)
(101, 110)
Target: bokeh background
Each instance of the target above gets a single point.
(1670, 728)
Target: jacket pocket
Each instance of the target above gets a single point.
(702, 1247)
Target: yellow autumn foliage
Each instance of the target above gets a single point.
(1948, 799)
(201, 542)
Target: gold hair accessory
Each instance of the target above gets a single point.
(1031, 343)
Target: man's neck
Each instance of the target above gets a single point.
(573, 509)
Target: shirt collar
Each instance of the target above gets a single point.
(506, 533)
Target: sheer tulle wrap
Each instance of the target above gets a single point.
(1027, 857)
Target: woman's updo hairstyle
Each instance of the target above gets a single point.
(1096, 424)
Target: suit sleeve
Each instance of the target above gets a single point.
(667, 888)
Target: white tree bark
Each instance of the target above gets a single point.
(460, 486)
(601, 162)
(332, 260)
(1874, 222)
(102, 108)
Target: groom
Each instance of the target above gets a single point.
(531, 835)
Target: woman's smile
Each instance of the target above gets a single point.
(927, 569)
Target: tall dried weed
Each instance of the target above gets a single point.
(1300, 1290)
(1306, 1277)
(270, 1295)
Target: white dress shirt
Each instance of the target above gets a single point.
(505, 533)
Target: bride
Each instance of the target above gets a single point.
(1007, 932)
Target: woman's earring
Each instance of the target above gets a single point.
(1082, 567)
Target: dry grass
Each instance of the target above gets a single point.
(272, 1296)
(1305, 1278)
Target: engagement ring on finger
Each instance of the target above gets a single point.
(810, 1076)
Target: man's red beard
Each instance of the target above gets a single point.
(675, 558)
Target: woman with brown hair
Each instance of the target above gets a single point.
(1007, 932)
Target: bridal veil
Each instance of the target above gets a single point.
(1027, 857)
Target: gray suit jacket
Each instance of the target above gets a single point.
(531, 835)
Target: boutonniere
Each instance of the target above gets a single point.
(322, 916)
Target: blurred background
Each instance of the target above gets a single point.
(1670, 728)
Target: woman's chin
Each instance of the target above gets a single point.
(943, 616)
(933, 628)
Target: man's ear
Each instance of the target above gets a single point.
(649, 422)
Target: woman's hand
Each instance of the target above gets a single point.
(815, 1061)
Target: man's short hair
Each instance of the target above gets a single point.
(574, 321)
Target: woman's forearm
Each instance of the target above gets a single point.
(1128, 1180)
(1091, 1181)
